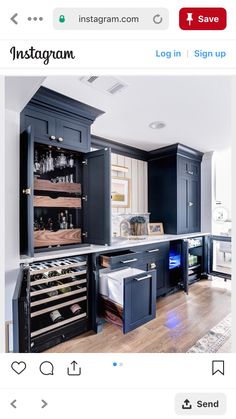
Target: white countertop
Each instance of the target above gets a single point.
(118, 243)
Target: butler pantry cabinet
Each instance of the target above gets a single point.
(64, 188)
(174, 188)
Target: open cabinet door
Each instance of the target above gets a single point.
(97, 197)
(26, 192)
(21, 313)
(219, 256)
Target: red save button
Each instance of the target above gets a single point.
(203, 18)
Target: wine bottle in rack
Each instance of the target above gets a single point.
(65, 289)
(41, 287)
(56, 316)
(75, 309)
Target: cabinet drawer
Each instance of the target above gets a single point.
(139, 300)
(128, 297)
(121, 258)
(157, 249)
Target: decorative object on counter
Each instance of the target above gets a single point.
(119, 229)
(155, 229)
(138, 226)
(122, 169)
(120, 192)
(125, 228)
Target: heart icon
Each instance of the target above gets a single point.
(18, 367)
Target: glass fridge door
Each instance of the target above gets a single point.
(220, 256)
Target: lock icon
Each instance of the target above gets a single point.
(62, 19)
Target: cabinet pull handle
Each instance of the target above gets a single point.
(143, 277)
(153, 250)
(26, 191)
(129, 260)
(190, 204)
(60, 139)
(52, 137)
(190, 172)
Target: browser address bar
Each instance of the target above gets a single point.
(111, 19)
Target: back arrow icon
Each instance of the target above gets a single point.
(13, 404)
(13, 18)
(44, 404)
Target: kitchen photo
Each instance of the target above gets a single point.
(118, 214)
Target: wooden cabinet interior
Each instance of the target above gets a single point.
(57, 197)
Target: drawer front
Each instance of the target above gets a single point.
(153, 251)
(120, 259)
(48, 340)
(139, 300)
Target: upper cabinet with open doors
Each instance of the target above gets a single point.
(65, 188)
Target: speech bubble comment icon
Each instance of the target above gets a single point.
(46, 368)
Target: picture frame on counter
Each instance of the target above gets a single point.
(155, 229)
(120, 192)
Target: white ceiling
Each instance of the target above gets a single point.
(196, 109)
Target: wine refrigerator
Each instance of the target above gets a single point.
(50, 303)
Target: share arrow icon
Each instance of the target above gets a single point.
(74, 369)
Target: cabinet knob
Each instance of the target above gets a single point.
(190, 204)
(60, 139)
(52, 137)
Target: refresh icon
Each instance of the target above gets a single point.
(157, 19)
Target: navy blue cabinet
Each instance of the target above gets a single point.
(65, 197)
(59, 121)
(139, 300)
(157, 257)
(174, 188)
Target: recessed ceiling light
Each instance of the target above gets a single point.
(157, 125)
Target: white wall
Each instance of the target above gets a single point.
(207, 192)
(2, 216)
(138, 174)
(12, 259)
(222, 188)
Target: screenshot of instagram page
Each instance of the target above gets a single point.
(116, 212)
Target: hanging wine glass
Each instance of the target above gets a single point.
(71, 161)
(50, 162)
(63, 161)
(36, 162)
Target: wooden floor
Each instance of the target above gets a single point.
(181, 320)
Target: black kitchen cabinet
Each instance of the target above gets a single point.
(65, 192)
(58, 120)
(174, 188)
(158, 258)
(51, 303)
(138, 305)
(139, 300)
